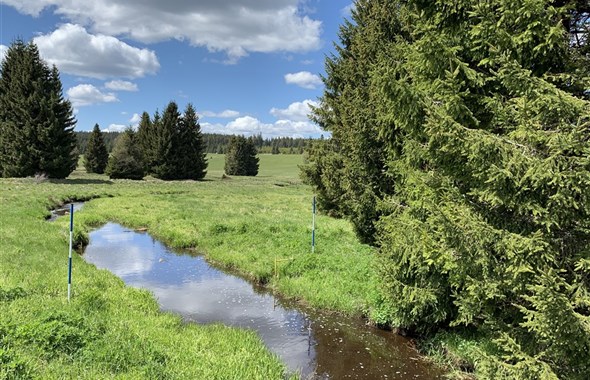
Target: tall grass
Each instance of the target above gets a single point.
(253, 225)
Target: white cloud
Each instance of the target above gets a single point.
(248, 126)
(227, 114)
(135, 119)
(115, 128)
(304, 79)
(3, 50)
(121, 85)
(77, 52)
(298, 111)
(133, 124)
(347, 10)
(236, 27)
(86, 94)
(292, 121)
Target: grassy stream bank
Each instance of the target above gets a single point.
(113, 331)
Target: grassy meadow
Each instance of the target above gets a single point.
(252, 225)
(277, 166)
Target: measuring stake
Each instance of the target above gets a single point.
(70, 255)
(313, 228)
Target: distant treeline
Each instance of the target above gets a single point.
(216, 143)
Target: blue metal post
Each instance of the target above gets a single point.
(313, 227)
(70, 254)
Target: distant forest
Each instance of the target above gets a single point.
(217, 143)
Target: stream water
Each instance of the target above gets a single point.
(63, 210)
(318, 345)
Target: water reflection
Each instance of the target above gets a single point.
(63, 210)
(316, 344)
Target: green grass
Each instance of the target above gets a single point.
(113, 331)
(460, 351)
(281, 166)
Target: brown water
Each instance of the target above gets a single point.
(318, 345)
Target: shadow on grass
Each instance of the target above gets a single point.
(82, 181)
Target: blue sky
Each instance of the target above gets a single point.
(248, 66)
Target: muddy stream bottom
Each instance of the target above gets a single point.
(317, 345)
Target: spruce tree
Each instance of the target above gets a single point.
(240, 158)
(146, 137)
(173, 145)
(275, 149)
(190, 160)
(96, 157)
(36, 122)
(166, 149)
(57, 140)
(20, 94)
(251, 158)
(475, 116)
(348, 110)
(125, 160)
(325, 173)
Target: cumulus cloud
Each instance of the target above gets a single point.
(304, 79)
(292, 121)
(227, 114)
(298, 111)
(115, 128)
(235, 27)
(3, 50)
(248, 125)
(121, 85)
(87, 94)
(75, 51)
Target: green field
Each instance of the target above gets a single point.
(110, 330)
(278, 166)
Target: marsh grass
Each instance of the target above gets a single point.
(112, 331)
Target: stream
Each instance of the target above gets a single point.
(316, 344)
(64, 210)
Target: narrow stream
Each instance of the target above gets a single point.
(318, 345)
(63, 210)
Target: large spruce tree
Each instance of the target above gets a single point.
(173, 146)
(348, 111)
(191, 160)
(146, 137)
(477, 119)
(36, 122)
(240, 158)
(96, 156)
(165, 150)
